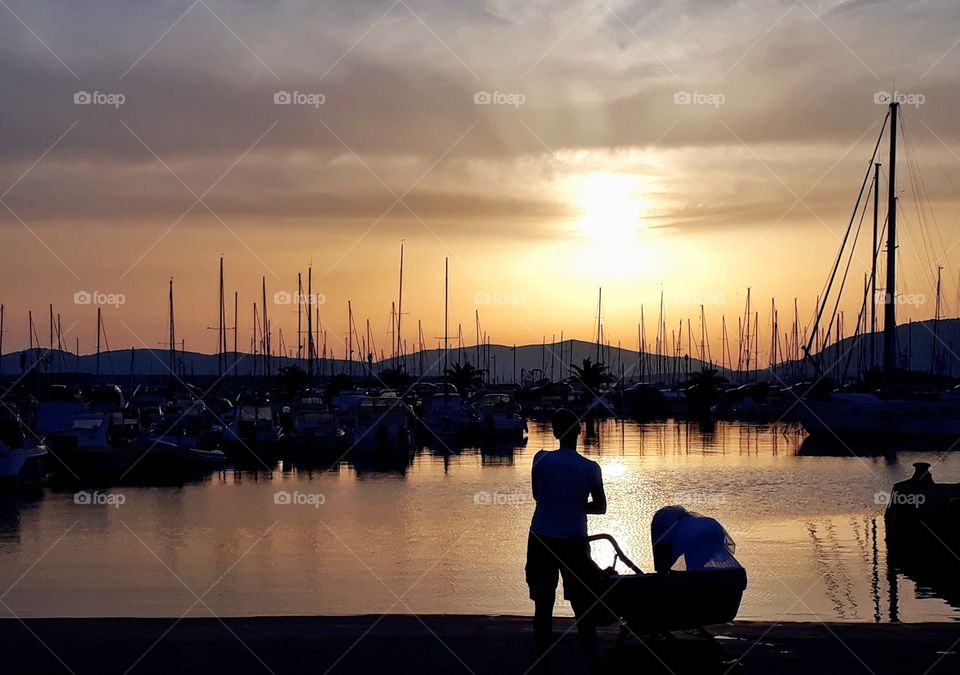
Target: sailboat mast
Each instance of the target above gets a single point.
(220, 338)
(350, 337)
(599, 328)
(889, 298)
(265, 331)
(446, 311)
(936, 323)
(400, 309)
(236, 309)
(310, 343)
(299, 316)
(98, 339)
(173, 337)
(873, 265)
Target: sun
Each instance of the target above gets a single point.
(611, 212)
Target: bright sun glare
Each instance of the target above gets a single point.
(610, 208)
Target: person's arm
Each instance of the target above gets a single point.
(598, 498)
(533, 474)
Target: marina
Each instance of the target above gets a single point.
(334, 546)
(555, 337)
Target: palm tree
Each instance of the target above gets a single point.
(395, 378)
(704, 389)
(290, 379)
(593, 376)
(464, 376)
(338, 383)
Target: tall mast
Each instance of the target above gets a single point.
(310, 348)
(173, 334)
(420, 345)
(265, 331)
(299, 316)
(236, 307)
(98, 341)
(221, 327)
(400, 309)
(873, 265)
(350, 337)
(599, 307)
(476, 314)
(889, 299)
(936, 323)
(446, 307)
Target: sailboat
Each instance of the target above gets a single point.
(888, 411)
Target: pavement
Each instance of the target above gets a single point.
(478, 645)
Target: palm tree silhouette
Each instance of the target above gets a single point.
(395, 378)
(593, 376)
(464, 376)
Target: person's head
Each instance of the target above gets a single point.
(566, 427)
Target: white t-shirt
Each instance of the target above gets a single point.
(563, 480)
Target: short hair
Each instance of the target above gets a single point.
(565, 423)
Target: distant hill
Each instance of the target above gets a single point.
(551, 360)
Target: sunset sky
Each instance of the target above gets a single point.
(546, 148)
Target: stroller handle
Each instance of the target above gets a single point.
(616, 548)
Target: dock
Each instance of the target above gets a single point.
(481, 645)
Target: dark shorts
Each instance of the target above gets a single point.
(549, 558)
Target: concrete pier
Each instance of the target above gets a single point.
(459, 644)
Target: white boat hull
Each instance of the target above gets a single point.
(861, 414)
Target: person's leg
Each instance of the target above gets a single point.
(543, 574)
(543, 615)
(578, 570)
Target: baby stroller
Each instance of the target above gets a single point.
(696, 583)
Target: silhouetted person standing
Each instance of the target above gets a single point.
(566, 486)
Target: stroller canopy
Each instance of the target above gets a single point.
(683, 540)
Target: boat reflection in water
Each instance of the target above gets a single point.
(923, 533)
(810, 522)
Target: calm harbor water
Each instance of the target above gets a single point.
(446, 533)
